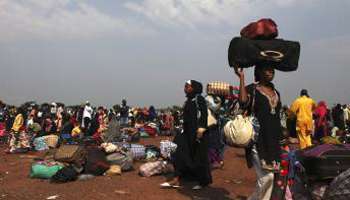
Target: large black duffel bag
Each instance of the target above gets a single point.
(281, 54)
(325, 161)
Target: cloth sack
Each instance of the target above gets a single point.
(167, 148)
(122, 159)
(152, 168)
(239, 131)
(109, 147)
(96, 162)
(114, 170)
(264, 29)
(64, 175)
(44, 170)
(138, 151)
(74, 154)
(330, 140)
(51, 140)
(40, 144)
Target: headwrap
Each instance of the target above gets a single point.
(304, 92)
(321, 109)
(196, 86)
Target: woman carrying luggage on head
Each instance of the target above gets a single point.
(191, 156)
(263, 100)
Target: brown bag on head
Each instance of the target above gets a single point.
(264, 29)
(74, 154)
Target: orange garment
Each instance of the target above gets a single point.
(18, 123)
(76, 131)
(303, 108)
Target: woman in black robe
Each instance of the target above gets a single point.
(191, 156)
(264, 101)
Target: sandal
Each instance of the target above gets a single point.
(171, 184)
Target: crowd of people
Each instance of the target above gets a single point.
(19, 126)
(311, 122)
(200, 147)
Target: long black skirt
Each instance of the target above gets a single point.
(191, 158)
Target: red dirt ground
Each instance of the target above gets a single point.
(229, 183)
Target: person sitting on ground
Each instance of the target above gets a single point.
(77, 131)
(19, 139)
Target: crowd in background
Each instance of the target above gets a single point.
(23, 123)
(20, 125)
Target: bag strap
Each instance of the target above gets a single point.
(197, 107)
(253, 100)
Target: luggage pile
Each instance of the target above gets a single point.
(72, 162)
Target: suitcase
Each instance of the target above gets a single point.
(281, 54)
(325, 161)
(219, 88)
(71, 154)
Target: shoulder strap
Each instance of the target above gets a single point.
(253, 98)
(197, 107)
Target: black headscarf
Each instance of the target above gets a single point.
(197, 88)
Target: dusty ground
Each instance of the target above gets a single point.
(229, 183)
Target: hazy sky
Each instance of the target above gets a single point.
(103, 50)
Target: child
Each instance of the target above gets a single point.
(76, 132)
